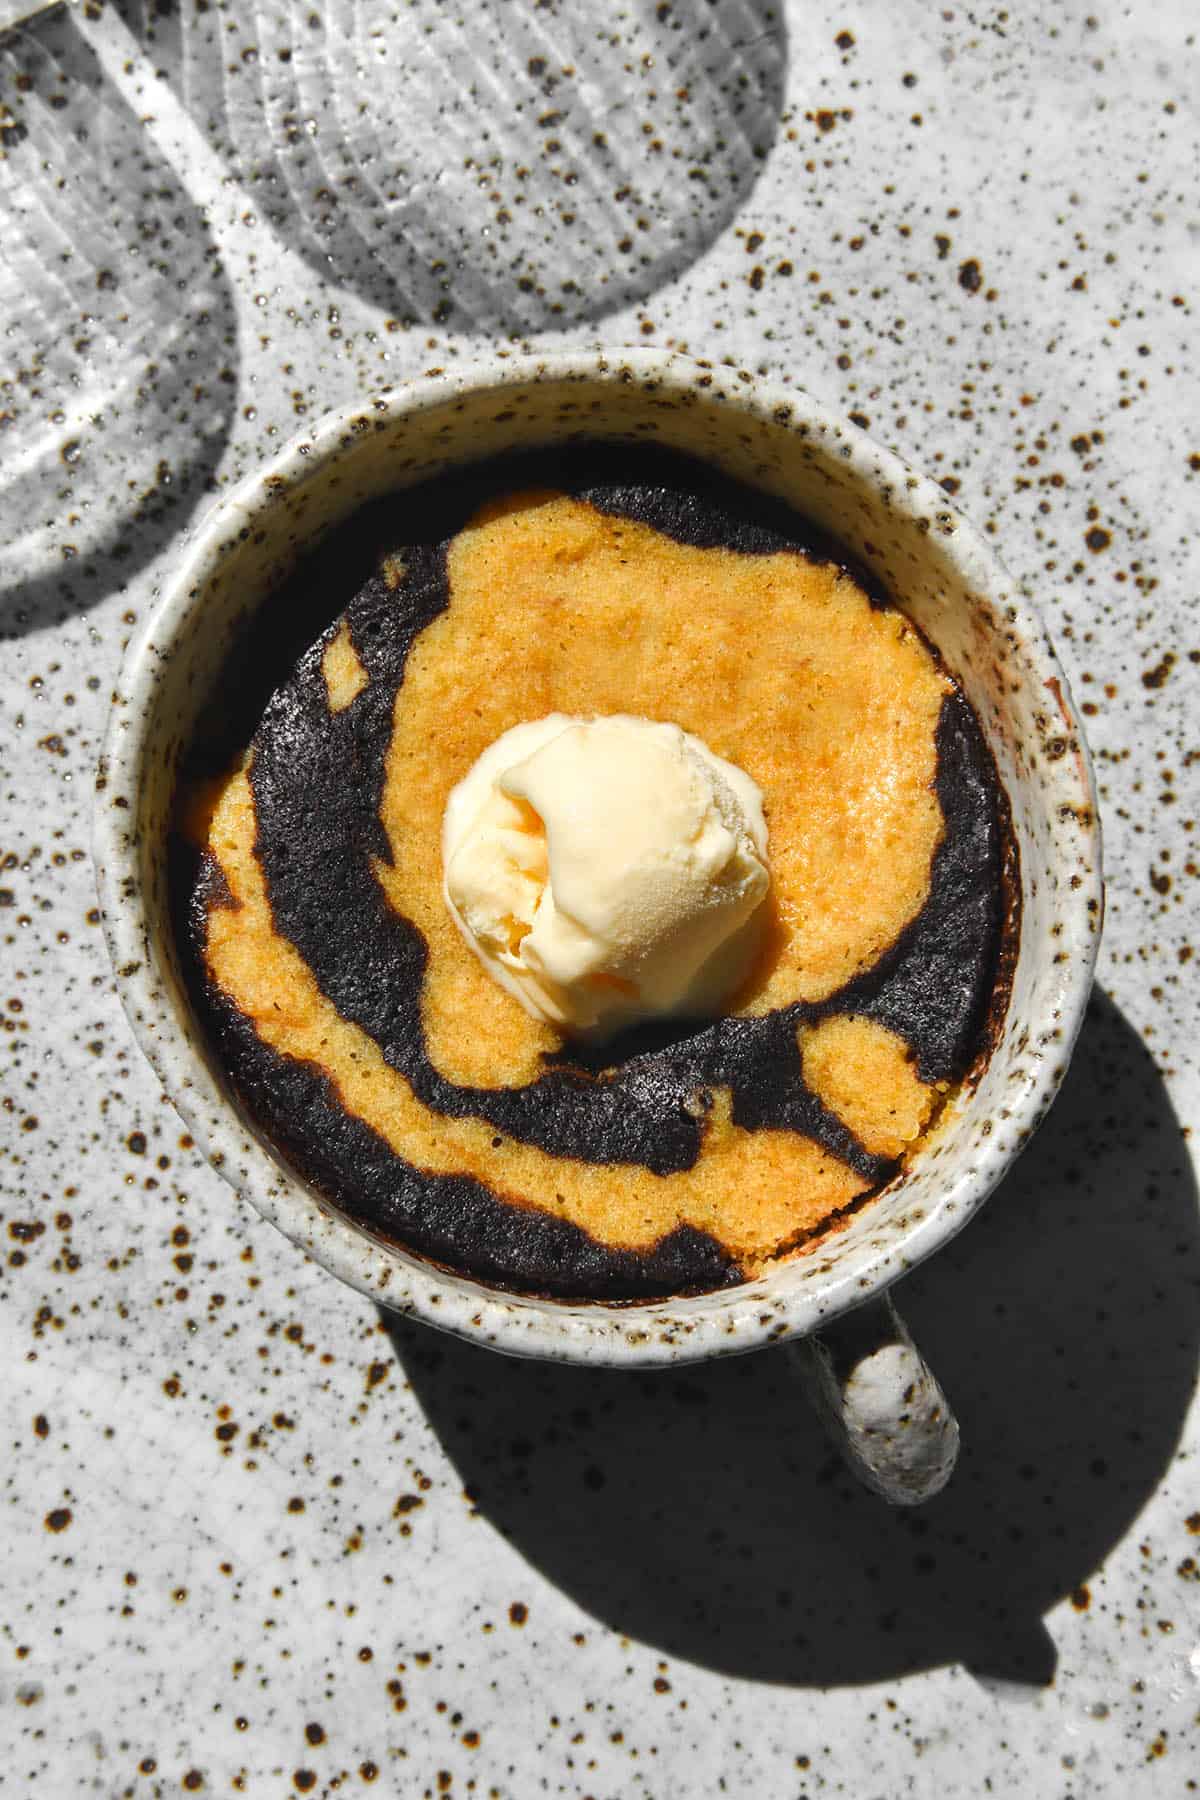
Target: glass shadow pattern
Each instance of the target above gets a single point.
(487, 167)
(117, 376)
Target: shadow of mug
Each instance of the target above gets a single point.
(701, 1511)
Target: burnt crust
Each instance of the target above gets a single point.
(934, 987)
(317, 781)
(451, 1219)
(211, 890)
(712, 513)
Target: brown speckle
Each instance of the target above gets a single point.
(1156, 677)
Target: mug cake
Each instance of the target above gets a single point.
(543, 1109)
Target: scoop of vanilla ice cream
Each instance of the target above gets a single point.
(607, 870)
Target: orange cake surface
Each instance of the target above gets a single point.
(682, 1156)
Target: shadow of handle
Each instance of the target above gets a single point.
(880, 1402)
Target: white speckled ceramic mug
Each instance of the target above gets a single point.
(864, 1372)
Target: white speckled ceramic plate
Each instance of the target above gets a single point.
(263, 1538)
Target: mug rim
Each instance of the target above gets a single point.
(653, 1332)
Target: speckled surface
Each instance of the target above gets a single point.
(257, 1539)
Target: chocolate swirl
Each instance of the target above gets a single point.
(317, 778)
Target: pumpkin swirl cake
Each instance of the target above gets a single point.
(374, 1050)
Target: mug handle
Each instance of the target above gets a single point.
(880, 1402)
